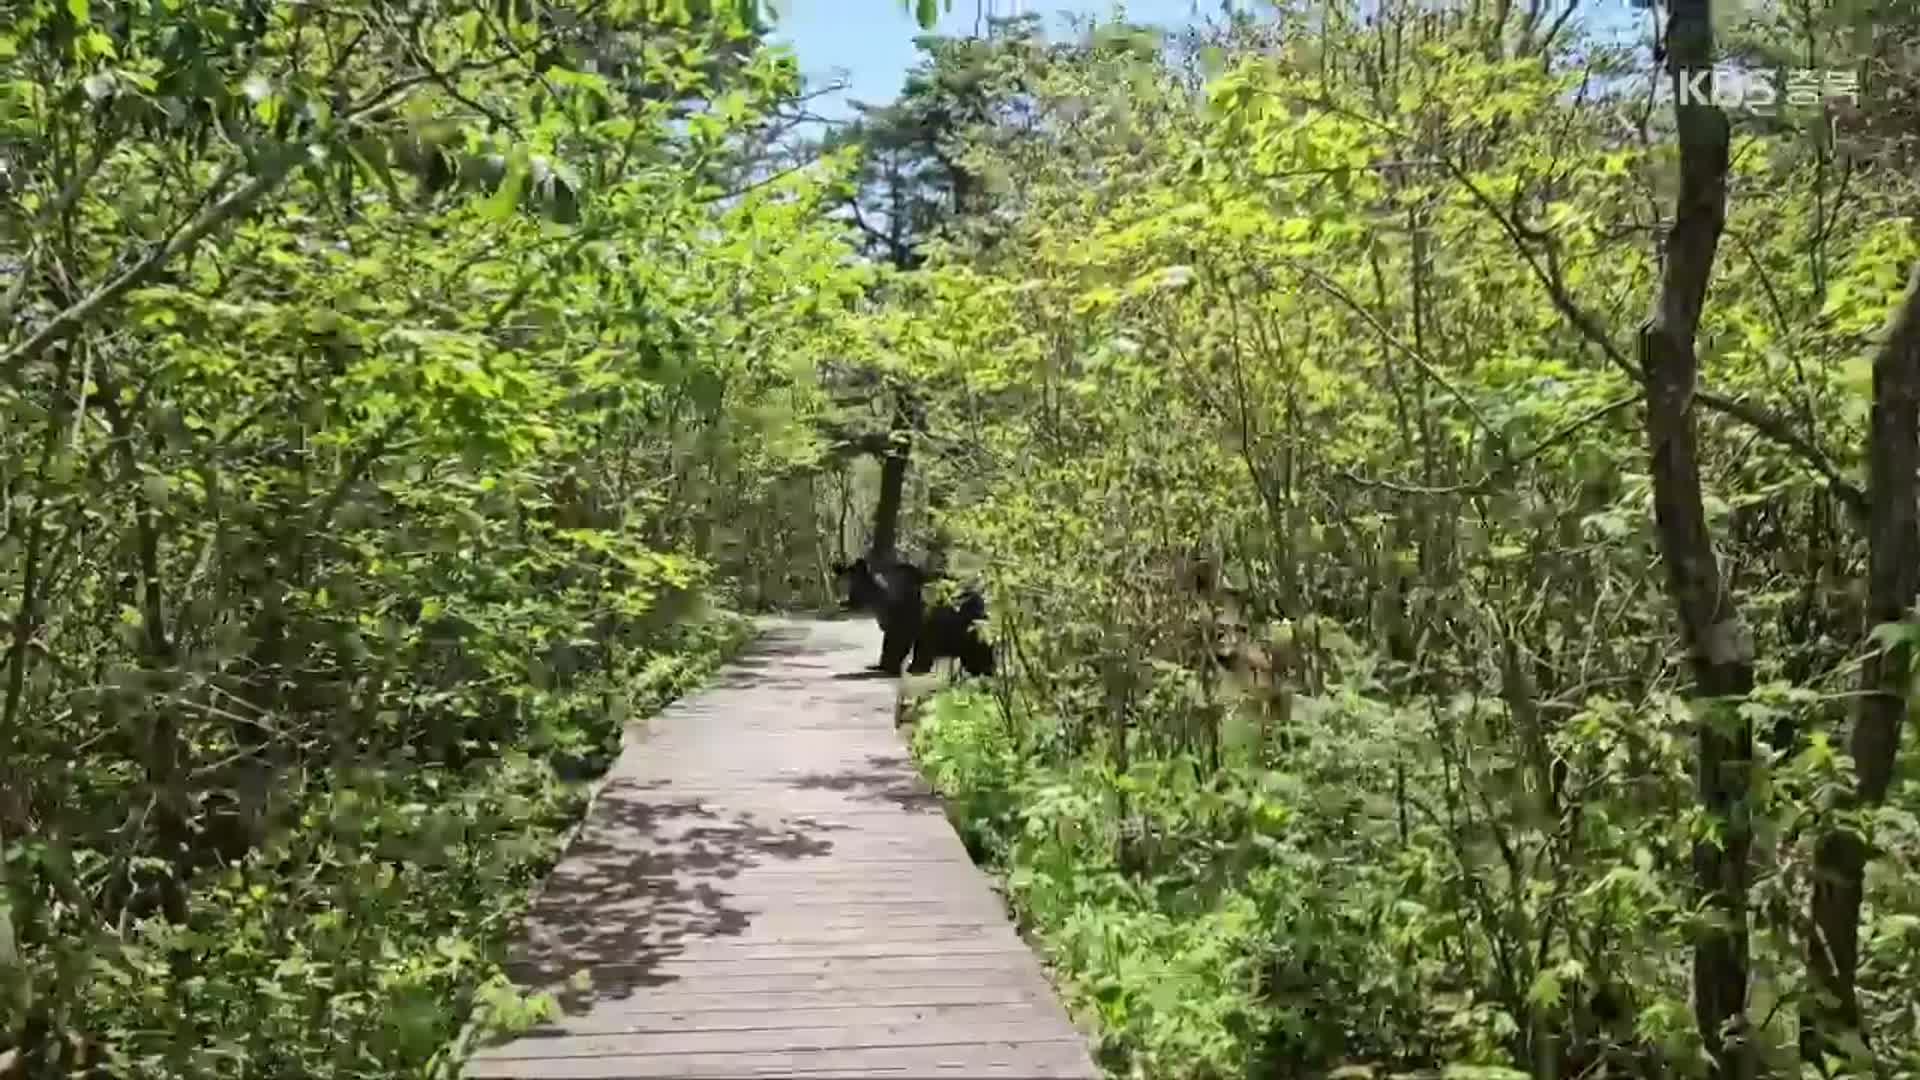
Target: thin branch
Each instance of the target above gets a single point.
(64, 324)
(1407, 489)
(1420, 361)
(1553, 31)
(1487, 484)
(1549, 275)
(1573, 427)
(771, 178)
(53, 210)
(1777, 430)
(1524, 241)
(278, 166)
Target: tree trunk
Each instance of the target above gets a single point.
(1720, 651)
(939, 543)
(1893, 576)
(886, 515)
(15, 800)
(893, 477)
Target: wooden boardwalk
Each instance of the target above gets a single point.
(766, 887)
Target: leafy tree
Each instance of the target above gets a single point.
(909, 190)
(375, 379)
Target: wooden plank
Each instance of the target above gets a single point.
(776, 1017)
(755, 997)
(1066, 1058)
(922, 1033)
(644, 867)
(721, 913)
(757, 953)
(832, 839)
(800, 933)
(831, 980)
(732, 950)
(729, 897)
(671, 965)
(837, 906)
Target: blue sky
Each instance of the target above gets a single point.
(872, 40)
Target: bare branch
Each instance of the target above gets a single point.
(1777, 430)
(1420, 361)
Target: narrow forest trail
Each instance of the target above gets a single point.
(766, 887)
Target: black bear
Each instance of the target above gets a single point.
(894, 593)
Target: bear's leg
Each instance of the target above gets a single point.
(925, 652)
(894, 648)
(978, 657)
(897, 635)
(940, 637)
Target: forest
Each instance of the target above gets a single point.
(1445, 481)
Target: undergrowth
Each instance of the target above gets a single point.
(1340, 909)
(368, 940)
(1249, 922)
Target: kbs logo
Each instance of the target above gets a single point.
(1762, 91)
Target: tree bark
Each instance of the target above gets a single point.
(15, 797)
(886, 515)
(1893, 577)
(165, 750)
(908, 418)
(1720, 651)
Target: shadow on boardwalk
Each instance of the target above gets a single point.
(668, 889)
(659, 863)
(888, 778)
(779, 650)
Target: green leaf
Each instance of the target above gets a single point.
(1546, 991)
(1892, 634)
(506, 198)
